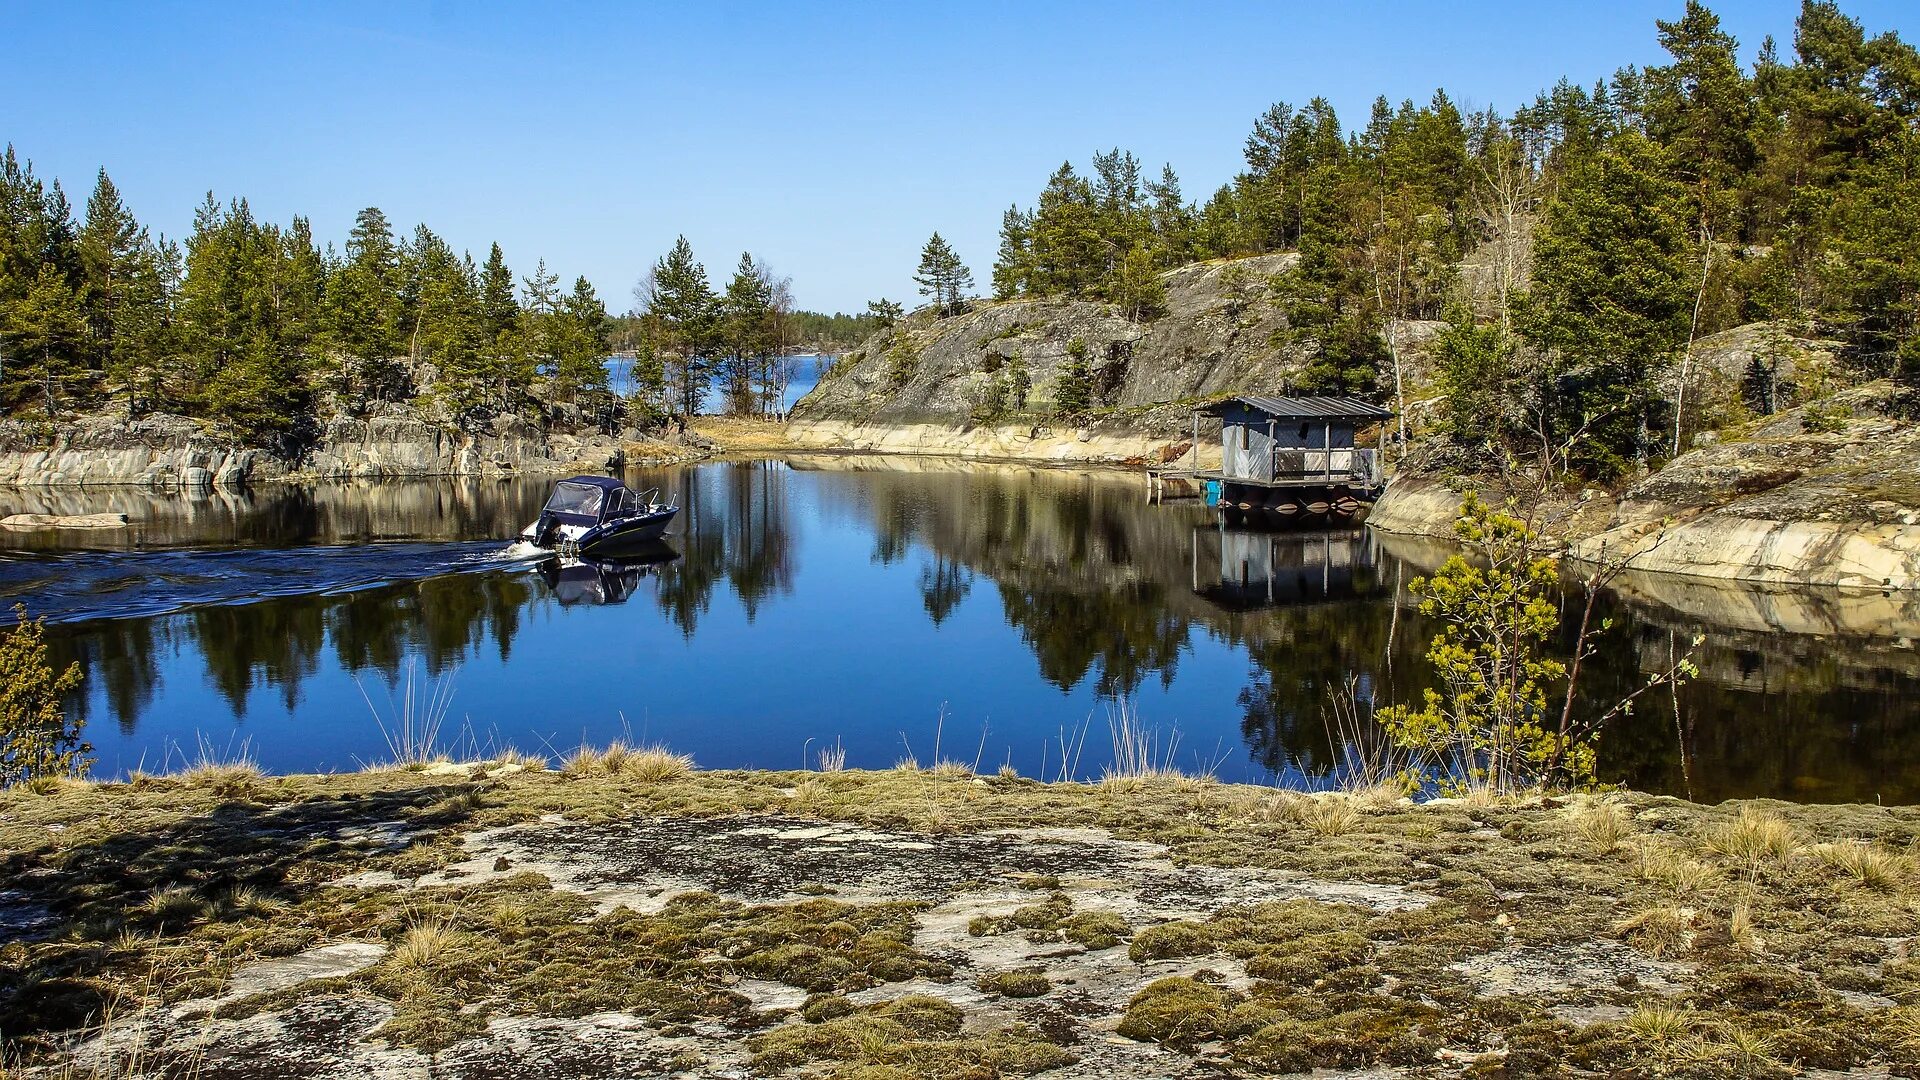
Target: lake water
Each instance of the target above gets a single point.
(894, 607)
(805, 373)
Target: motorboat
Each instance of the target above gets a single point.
(599, 517)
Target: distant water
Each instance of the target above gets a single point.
(895, 607)
(807, 368)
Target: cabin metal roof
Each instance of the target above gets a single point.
(606, 483)
(1302, 408)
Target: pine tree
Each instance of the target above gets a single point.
(1012, 266)
(498, 306)
(1172, 221)
(365, 315)
(943, 279)
(885, 312)
(301, 292)
(110, 245)
(579, 366)
(49, 333)
(679, 315)
(1611, 300)
(746, 333)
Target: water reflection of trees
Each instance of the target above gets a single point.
(734, 528)
(1104, 591)
(1103, 587)
(279, 643)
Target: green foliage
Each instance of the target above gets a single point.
(1611, 301)
(251, 322)
(1486, 722)
(1825, 418)
(36, 739)
(1005, 390)
(1105, 238)
(752, 332)
(883, 312)
(679, 324)
(1073, 387)
(943, 279)
(1479, 382)
(48, 331)
(902, 362)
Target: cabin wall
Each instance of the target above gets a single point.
(1247, 449)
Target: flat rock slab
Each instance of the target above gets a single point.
(326, 962)
(642, 864)
(1535, 971)
(64, 521)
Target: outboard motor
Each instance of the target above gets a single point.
(546, 530)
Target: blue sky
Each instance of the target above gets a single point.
(829, 139)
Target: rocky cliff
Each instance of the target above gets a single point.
(166, 451)
(926, 384)
(1822, 494)
(1825, 491)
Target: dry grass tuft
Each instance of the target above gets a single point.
(809, 796)
(949, 769)
(1869, 865)
(425, 946)
(1602, 825)
(1661, 1025)
(655, 764)
(1328, 815)
(1660, 931)
(652, 763)
(1666, 865)
(1902, 1025)
(1741, 929)
(1754, 838)
(833, 758)
(514, 756)
(174, 904)
(247, 900)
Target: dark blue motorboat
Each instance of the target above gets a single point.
(599, 517)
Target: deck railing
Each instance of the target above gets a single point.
(1336, 466)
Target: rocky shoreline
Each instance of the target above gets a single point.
(169, 452)
(626, 915)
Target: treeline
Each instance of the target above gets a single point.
(253, 324)
(811, 331)
(1610, 227)
(689, 340)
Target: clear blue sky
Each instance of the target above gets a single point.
(829, 139)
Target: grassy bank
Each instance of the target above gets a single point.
(933, 923)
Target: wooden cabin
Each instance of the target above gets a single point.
(1295, 458)
(1297, 441)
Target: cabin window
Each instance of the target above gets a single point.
(575, 499)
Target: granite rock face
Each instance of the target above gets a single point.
(1823, 495)
(174, 452)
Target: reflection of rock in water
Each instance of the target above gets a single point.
(1244, 569)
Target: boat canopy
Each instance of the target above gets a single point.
(582, 496)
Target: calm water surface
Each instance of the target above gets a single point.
(886, 605)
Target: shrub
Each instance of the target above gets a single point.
(36, 739)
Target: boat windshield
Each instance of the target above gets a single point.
(575, 499)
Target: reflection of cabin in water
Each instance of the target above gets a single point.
(1294, 457)
(1242, 570)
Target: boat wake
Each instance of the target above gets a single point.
(72, 587)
